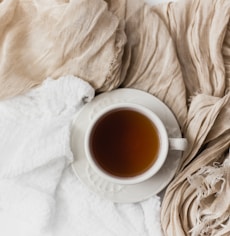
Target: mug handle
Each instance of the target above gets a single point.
(178, 144)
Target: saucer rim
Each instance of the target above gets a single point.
(123, 93)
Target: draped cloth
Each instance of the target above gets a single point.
(179, 52)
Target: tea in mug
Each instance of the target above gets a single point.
(124, 142)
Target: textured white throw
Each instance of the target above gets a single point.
(39, 194)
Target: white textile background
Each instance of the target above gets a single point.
(39, 193)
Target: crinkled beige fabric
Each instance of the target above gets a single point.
(179, 52)
(200, 31)
(54, 38)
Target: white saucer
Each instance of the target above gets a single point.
(117, 192)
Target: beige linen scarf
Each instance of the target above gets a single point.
(179, 52)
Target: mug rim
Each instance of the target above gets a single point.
(161, 156)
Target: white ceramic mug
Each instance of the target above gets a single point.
(165, 144)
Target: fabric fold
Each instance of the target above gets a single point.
(200, 33)
(56, 39)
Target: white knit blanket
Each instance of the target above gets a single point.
(39, 193)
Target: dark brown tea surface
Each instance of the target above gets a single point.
(124, 143)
